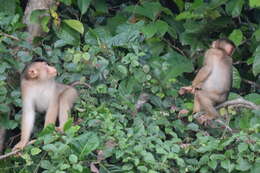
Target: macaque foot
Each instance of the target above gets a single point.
(187, 89)
(204, 120)
(19, 146)
(58, 129)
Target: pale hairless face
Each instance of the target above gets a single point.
(41, 71)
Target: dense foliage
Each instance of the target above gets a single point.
(123, 49)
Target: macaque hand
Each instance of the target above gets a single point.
(204, 120)
(19, 146)
(187, 89)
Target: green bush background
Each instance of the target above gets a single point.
(123, 49)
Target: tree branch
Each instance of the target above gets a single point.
(14, 152)
(240, 102)
(10, 36)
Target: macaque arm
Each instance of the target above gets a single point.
(28, 116)
(202, 75)
(66, 101)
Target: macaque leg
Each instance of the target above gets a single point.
(66, 101)
(207, 105)
(196, 107)
(51, 114)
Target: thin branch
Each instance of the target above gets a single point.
(80, 83)
(240, 102)
(251, 83)
(175, 47)
(10, 36)
(14, 152)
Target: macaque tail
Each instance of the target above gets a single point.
(80, 83)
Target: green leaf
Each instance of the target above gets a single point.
(256, 65)
(68, 125)
(254, 3)
(73, 159)
(213, 164)
(243, 165)
(35, 151)
(236, 78)
(242, 147)
(100, 6)
(44, 23)
(149, 30)
(188, 15)
(78, 167)
(45, 164)
(236, 36)
(75, 24)
(161, 27)
(257, 35)
(8, 6)
(193, 127)
(83, 5)
(217, 157)
(85, 143)
(227, 165)
(68, 35)
(67, 2)
(4, 108)
(122, 69)
(234, 7)
(36, 14)
(148, 157)
(256, 168)
(253, 97)
(147, 9)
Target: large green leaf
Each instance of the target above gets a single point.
(253, 97)
(85, 143)
(75, 24)
(147, 9)
(68, 35)
(236, 36)
(83, 5)
(234, 7)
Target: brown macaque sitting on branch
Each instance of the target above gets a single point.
(212, 83)
(40, 92)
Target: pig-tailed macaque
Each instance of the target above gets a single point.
(212, 83)
(40, 92)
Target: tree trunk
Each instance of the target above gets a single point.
(35, 29)
(2, 139)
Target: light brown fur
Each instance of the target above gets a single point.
(40, 92)
(212, 83)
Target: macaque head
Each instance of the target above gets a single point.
(224, 44)
(39, 69)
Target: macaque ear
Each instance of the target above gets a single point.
(229, 49)
(32, 73)
(214, 44)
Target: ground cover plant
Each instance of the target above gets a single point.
(129, 52)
